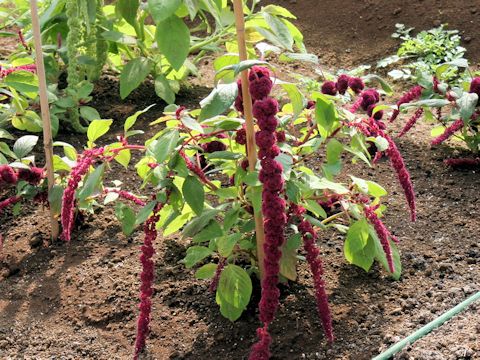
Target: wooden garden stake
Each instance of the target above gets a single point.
(47, 129)
(247, 111)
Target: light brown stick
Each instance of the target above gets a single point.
(247, 111)
(47, 129)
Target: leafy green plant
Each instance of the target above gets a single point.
(199, 181)
(425, 52)
(453, 107)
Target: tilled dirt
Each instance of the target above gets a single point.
(79, 300)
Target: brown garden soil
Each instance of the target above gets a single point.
(79, 300)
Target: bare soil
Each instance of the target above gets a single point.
(79, 300)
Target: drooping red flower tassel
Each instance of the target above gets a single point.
(449, 131)
(126, 195)
(147, 276)
(411, 122)
(403, 175)
(462, 162)
(383, 234)
(213, 285)
(32, 175)
(68, 200)
(273, 209)
(413, 94)
(313, 257)
(9, 202)
(8, 175)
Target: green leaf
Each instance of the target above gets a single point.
(288, 263)
(162, 9)
(206, 271)
(126, 216)
(385, 86)
(427, 102)
(89, 113)
(128, 10)
(314, 207)
(98, 128)
(334, 150)
(23, 81)
(118, 37)
(212, 231)
(199, 223)
(467, 104)
(163, 89)
(381, 257)
(145, 212)
(234, 290)
(123, 158)
(133, 118)
(280, 30)
(325, 115)
(296, 98)
(357, 249)
(163, 147)
(231, 217)
(93, 182)
(133, 74)
(195, 254)
(24, 145)
(225, 244)
(173, 40)
(218, 101)
(194, 194)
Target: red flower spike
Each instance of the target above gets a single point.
(8, 175)
(383, 235)
(413, 94)
(213, 285)
(309, 237)
(411, 122)
(9, 202)
(32, 175)
(452, 129)
(462, 163)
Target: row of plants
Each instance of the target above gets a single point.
(196, 167)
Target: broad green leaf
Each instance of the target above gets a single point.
(123, 158)
(24, 145)
(133, 118)
(206, 271)
(194, 194)
(162, 9)
(218, 101)
(225, 244)
(23, 81)
(162, 148)
(89, 113)
(199, 223)
(128, 10)
(145, 212)
(280, 30)
(212, 231)
(467, 104)
(98, 128)
(126, 216)
(118, 37)
(133, 74)
(163, 89)
(296, 98)
(314, 207)
(334, 150)
(55, 198)
(288, 263)
(234, 288)
(173, 40)
(92, 183)
(195, 254)
(380, 254)
(325, 115)
(229, 311)
(357, 249)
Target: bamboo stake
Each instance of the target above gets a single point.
(47, 129)
(247, 111)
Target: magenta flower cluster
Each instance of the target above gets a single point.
(413, 94)
(146, 277)
(411, 122)
(194, 167)
(309, 237)
(213, 146)
(5, 71)
(273, 205)
(462, 162)
(84, 162)
(9, 202)
(216, 278)
(367, 102)
(126, 195)
(7, 175)
(342, 84)
(449, 131)
(33, 175)
(475, 87)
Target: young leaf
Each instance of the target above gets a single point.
(226, 244)
(195, 254)
(128, 10)
(173, 40)
(133, 118)
(207, 271)
(98, 128)
(163, 147)
(358, 249)
(218, 101)
(126, 216)
(24, 145)
(163, 89)
(162, 9)
(92, 183)
(234, 289)
(194, 194)
(144, 213)
(133, 75)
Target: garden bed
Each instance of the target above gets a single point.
(79, 300)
